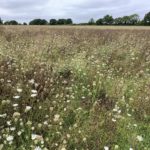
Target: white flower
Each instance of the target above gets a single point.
(16, 115)
(16, 97)
(37, 148)
(84, 139)
(19, 90)
(28, 108)
(36, 137)
(31, 81)
(19, 133)
(34, 91)
(8, 81)
(8, 123)
(114, 120)
(68, 136)
(139, 138)
(106, 148)
(51, 108)
(130, 148)
(129, 115)
(12, 129)
(3, 115)
(63, 148)
(116, 146)
(15, 105)
(10, 138)
(56, 117)
(33, 95)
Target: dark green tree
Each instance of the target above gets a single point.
(100, 21)
(12, 22)
(108, 20)
(38, 22)
(118, 21)
(61, 21)
(53, 22)
(146, 20)
(126, 20)
(24, 23)
(69, 21)
(134, 19)
(1, 22)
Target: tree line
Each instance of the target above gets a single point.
(40, 22)
(133, 19)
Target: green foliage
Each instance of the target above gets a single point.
(53, 22)
(12, 22)
(24, 23)
(100, 21)
(147, 19)
(108, 20)
(69, 21)
(1, 22)
(38, 22)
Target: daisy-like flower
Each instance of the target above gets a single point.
(36, 137)
(19, 90)
(16, 97)
(34, 91)
(16, 115)
(33, 95)
(31, 81)
(114, 120)
(10, 138)
(106, 148)
(8, 123)
(3, 115)
(37, 148)
(15, 105)
(139, 138)
(19, 133)
(28, 108)
(56, 117)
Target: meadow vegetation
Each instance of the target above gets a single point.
(72, 88)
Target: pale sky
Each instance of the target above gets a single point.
(78, 10)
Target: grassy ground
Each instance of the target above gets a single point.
(74, 88)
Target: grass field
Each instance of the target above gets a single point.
(74, 88)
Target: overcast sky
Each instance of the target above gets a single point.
(78, 10)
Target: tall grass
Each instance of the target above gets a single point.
(74, 88)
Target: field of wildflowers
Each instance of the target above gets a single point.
(74, 88)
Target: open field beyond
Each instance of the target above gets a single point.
(74, 88)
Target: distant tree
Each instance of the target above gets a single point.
(108, 20)
(134, 19)
(38, 22)
(53, 22)
(126, 20)
(61, 21)
(12, 22)
(99, 21)
(146, 20)
(1, 22)
(24, 23)
(69, 21)
(91, 21)
(118, 21)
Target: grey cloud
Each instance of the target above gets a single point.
(79, 10)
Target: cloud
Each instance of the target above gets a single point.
(79, 10)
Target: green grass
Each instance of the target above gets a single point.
(74, 88)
